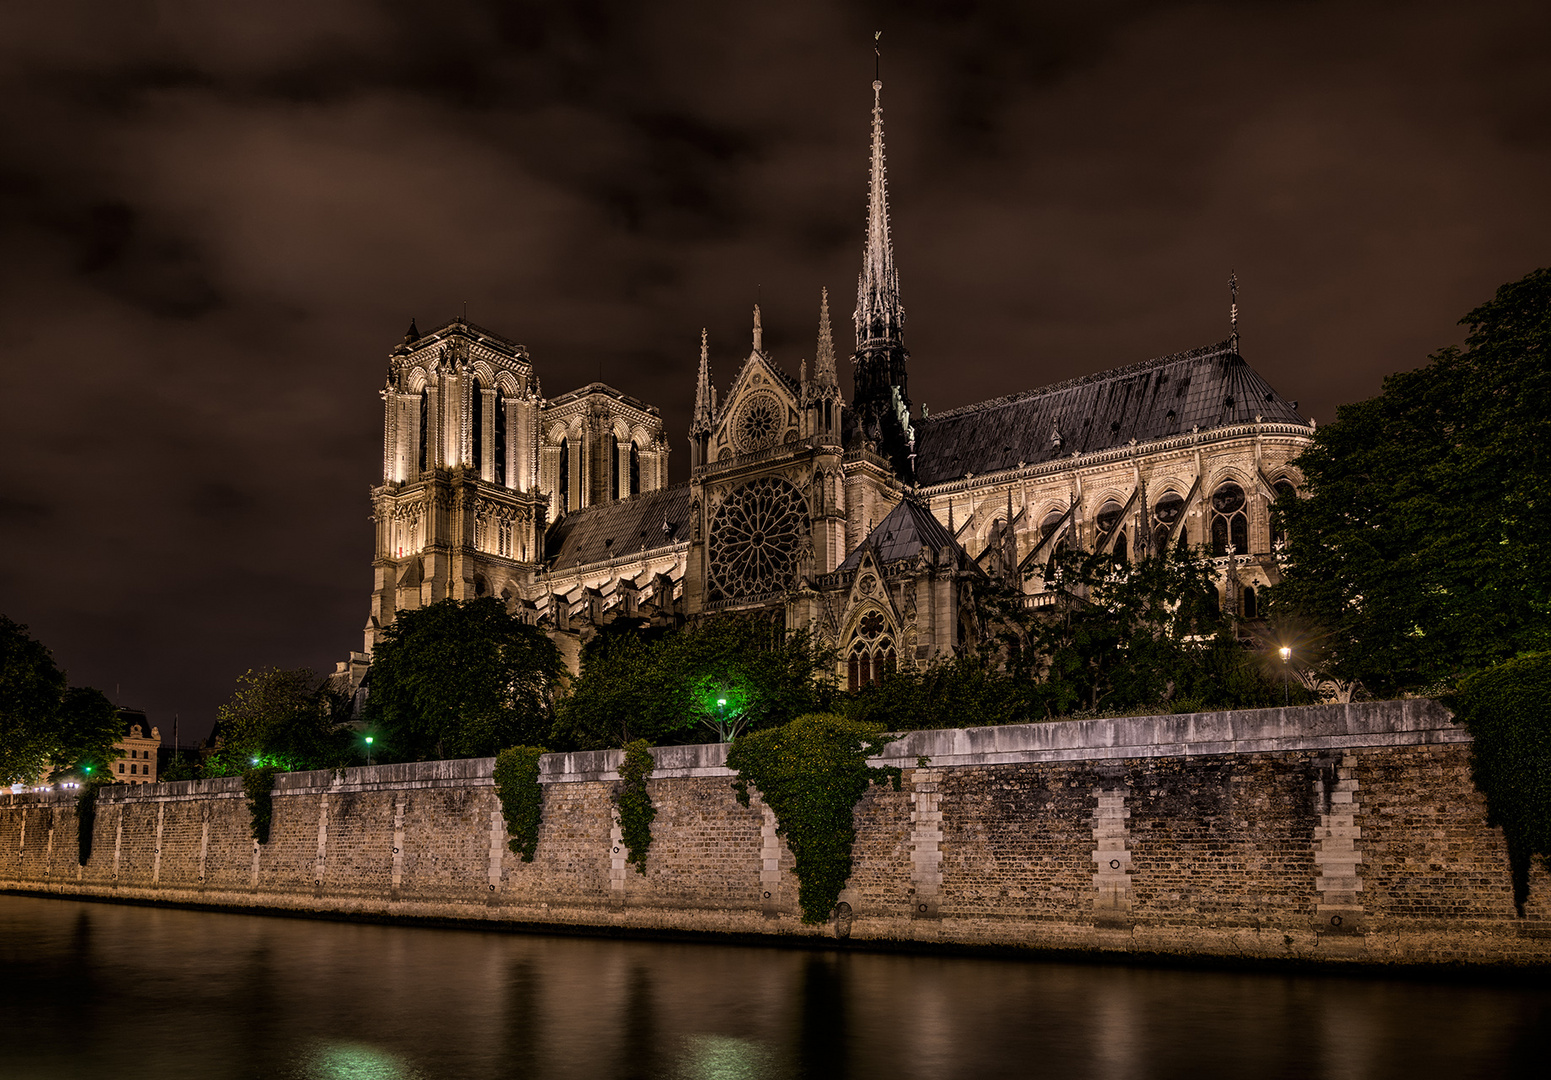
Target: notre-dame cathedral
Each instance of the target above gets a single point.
(868, 522)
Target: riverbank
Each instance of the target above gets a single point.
(1328, 835)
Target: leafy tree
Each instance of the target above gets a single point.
(964, 691)
(31, 686)
(1139, 635)
(461, 679)
(89, 725)
(284, 719)
(45, 725)
(1422, 545)
(670, 688)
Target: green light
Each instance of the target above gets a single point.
(722, 702)
(368, 740)
(87, 768)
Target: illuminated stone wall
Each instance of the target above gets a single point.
(1347, 832)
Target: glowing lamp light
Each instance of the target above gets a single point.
(721, 702)
(255, 761)
(1286, 651)
(368, 740)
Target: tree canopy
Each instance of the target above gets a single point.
(460, 679)
(45, 724)
(1420, 546)
(668, 687)
(1133, 635)
(284, 719)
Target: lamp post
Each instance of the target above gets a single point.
(1286, 652)
(368, 750)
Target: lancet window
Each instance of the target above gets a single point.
(479, 429)
(635, 468)
(498, 474)
(425, 426)
(563, 482)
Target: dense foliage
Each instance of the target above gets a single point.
(45, 725)
(811, 772)
(636, 812)
(1142, 635)
(292, 720)
(522, 800)
(1422, 546)
(680, 686)
(258, 784)
(1507, 710)
(460, 679)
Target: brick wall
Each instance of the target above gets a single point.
(1341, 833)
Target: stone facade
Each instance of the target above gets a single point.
(1338, 833)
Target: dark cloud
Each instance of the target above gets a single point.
(219, 218)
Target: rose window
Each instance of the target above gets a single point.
(754, 538)
(761, 419)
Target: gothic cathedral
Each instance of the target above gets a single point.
(868, 522)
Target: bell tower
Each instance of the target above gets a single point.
(459, 513)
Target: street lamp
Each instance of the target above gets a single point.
(368, 750)
(1286, 651)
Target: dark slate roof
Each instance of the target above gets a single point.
(902, 534)
(616, 529)
(1208, 388)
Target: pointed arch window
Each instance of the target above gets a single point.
(425, 426)
(613, 466)
(872, 655)
(563, 482)
(479, 428)
(1230, 525)
(635, 468)
(499, 473)
(1249, 604)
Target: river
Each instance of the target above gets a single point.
(109, 991)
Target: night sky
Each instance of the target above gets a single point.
(218, 218)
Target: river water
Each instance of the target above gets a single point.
(108, 991)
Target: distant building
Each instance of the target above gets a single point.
(137, 763)
(871, 523)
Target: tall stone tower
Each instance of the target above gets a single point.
(459, 513)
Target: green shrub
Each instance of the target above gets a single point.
(812, 772)
(258, 784)
(522, 800)
(1507, 710)
(636, 811)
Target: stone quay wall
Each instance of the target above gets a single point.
(1342, 833)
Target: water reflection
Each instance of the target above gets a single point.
(90, 990)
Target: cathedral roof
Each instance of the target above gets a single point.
(1204, 388)
(622, 529)
(902, 534)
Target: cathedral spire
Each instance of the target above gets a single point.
(880, 320)
(824, 360)
(700, 424)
